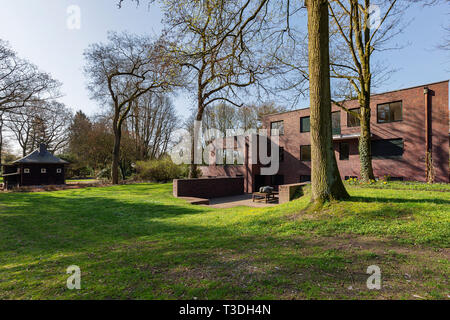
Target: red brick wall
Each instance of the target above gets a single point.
(411, 129)
(208, 187)
(411, 166)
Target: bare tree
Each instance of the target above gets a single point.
(219, 43)
(122, 70)
(152, 122)
(356, 35)
(21, 82)
(46, 123)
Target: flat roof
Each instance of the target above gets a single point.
(372, 95)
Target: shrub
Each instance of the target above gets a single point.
(161, 170)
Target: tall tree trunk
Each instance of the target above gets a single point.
(196, 131)
(116, 151)
(193, 168)
(365, 143)
(326, 181)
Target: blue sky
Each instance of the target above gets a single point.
(37, 30)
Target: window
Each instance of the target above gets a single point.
(59, 170)
(389, 112)
(387, 149)
(344, 151)
(304, 178)
(277, 125)
(336, 122)
(353, 121)
(26, 170)
(43, 170)
(281, 150)
(305, 153)
(277, 180)
(305, 125)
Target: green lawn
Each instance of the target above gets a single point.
(138, 242)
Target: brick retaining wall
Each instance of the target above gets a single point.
(208, 187)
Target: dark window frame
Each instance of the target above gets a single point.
(280, 132)
(350, 115)
(341, 158)
(338, 129)
(305, 145)
(389, 103)
(382, 157)
(301, 125)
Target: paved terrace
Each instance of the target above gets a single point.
(236, 201)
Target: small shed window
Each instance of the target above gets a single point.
(43, 170)
(26, 170)
(59, 170)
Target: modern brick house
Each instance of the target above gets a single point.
(402, 122)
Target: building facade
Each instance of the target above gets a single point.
(404, 125)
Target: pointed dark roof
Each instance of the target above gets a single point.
(41, 155)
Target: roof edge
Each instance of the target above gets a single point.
(372, 95)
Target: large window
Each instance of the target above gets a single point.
(344, 151)
(387, 149)
(389, 112)
(353, 121)
(305, 153)
(336, 122)
(277, 125)
(305, 125)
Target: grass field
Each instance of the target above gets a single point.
(138, 242)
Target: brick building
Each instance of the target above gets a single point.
(402, 122)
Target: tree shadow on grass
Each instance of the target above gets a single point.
(143, 248)
(398, 200)
(39, 222)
